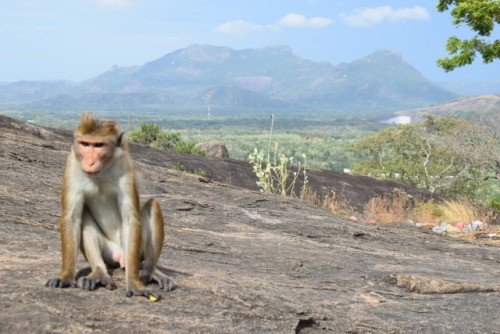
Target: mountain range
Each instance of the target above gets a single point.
(268, 78)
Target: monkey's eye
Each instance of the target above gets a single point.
(84, 144)
(99, 145)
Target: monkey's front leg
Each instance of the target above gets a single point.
(70, 239)
(94, 245)
(134, 284)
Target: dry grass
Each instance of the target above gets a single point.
(310, 196)
(334, 203)
(392, 207)
(427, 212)
(399, 207)
(456, 211)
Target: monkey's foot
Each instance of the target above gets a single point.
(91, 283)
(60, 283)
(151, 294)
(164, 282)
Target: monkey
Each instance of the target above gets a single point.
(101, 215)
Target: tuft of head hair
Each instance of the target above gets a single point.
(91, 126)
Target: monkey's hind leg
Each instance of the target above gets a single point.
(152, 242)
(93, 246)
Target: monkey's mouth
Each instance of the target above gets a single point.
(92, 174)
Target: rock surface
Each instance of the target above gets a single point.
(244, 262)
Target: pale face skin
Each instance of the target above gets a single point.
(93, 154)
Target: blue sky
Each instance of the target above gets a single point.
(79, 39)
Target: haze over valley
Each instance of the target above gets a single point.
(267, 79)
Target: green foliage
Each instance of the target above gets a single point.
(148, 133)
(481, 16)
(325, 140)
(153, 135)
(436, 155)
(495, 203)
(179, 166)
(276, 177)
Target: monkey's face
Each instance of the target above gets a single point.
(94, 154)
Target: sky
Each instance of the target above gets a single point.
(80, 39)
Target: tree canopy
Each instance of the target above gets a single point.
(446, 155)
(481, 16)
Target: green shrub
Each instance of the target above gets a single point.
(151, 134)
(274, 177)
(148, 133)
(179, 166)
(495, 203)
(188, 147)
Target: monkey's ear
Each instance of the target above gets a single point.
(119, 140)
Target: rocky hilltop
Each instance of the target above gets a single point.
(243, 261)
(481, 105)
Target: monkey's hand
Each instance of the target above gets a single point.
(91, 283)
(60, 283)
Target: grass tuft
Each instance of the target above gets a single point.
(399, 207)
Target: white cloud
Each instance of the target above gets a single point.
(300, 21)
(115, 3)
(290, 20)
(364, 17)
(238, 27)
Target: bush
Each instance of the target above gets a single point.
(151, 134)
(495, 203)
(274, 177)
(148, 133)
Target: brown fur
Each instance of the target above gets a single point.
(90, 125)
(68, 245)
